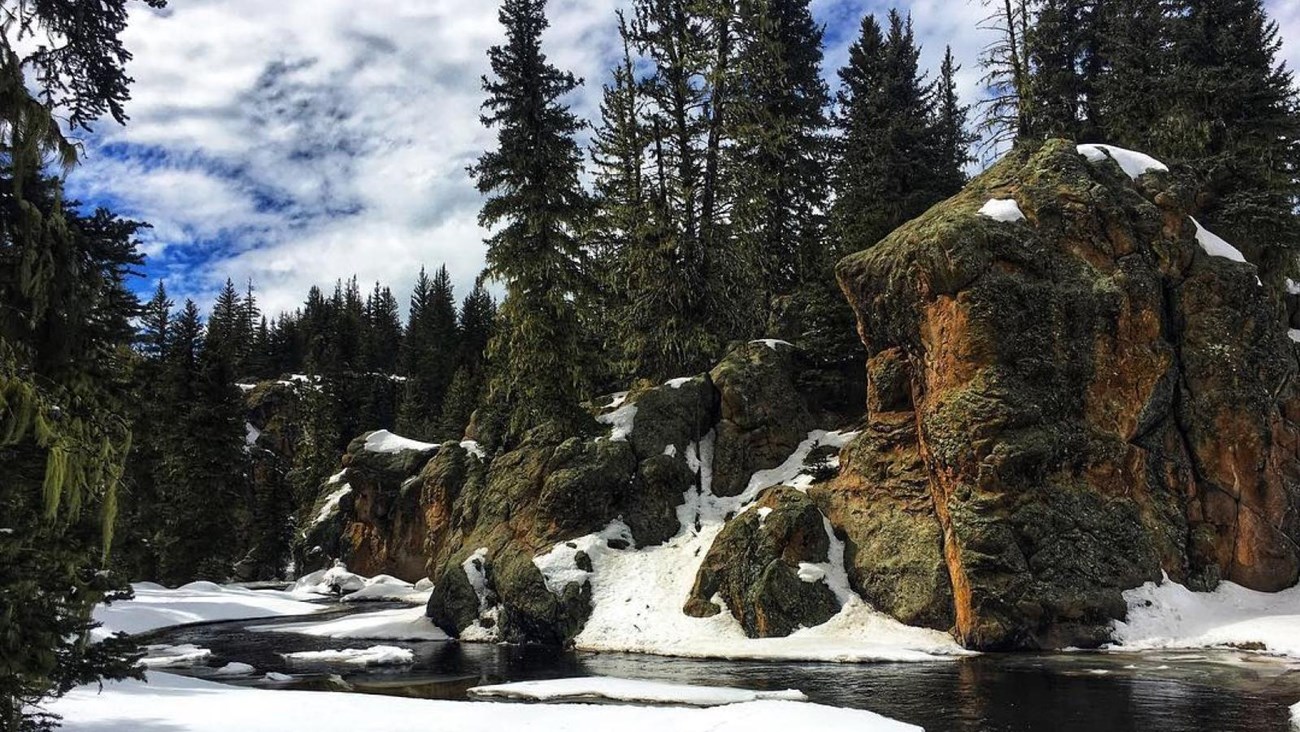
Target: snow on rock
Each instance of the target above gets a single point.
(1002, 209)
(251, 434)
(335, 580)
(559, 566)
(235, 668)
(637, 594)
(163, 656)
(386, 587)
(1295, 717)
(1292, 287)
(181, 704)
(1168, 615)
(401, 624)
(1214, 246)
(1133, 163)
(475, 568)
(387, 442)
(616, 400)
(372, 656)
(678, 382)
(772, 343)
(331, 503)
(472, 447)
(1294, 335)
(628, 690)
(620, 421)
(277, 677)
(155, 606)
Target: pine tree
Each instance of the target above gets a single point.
(1130, 89)
(1234, 122)
(779, 155)
(889, 164)
(535, 204)
(226, 331)
(953, 137)
(468, 384)
(1062, 44)
(431, 355)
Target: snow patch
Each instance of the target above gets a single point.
(559, 566)
(235, 668)
(475, 568)
(383, 441)
(772, 343)
(616, 400)
(331, 504)
(1168, 615)
(185, 704)
(678, 382)
(1134, 164)
(1002, 209)
(472, 447)
(628, 690)
(251, 434)
(1294, 335)
(164, 656)
(621, 421)
(1214, 246)
(372, 656)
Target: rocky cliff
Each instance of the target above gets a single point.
(1070, 389)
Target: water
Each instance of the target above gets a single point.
(1220, 691)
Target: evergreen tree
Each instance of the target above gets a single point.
(953, 137)
(227, 331)
(466, 390)
(779, 156)
(1008, 110)
(1062, 44)
(383, 331)
(431, 355)
(1130, 88)
(535, 204)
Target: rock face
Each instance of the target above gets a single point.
(1062, 407)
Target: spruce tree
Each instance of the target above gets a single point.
(1062, 44)
(468, 384)
(779, 154)
(1131, 97)
(432, 344)
(953, 136)
(535, 204)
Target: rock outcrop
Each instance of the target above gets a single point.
(1063, 406)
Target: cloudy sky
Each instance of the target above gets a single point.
(297, 141)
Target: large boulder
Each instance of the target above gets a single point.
(763, 566)
(1085, 395)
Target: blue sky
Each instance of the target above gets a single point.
(297, 141)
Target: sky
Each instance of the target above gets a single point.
(296, 142)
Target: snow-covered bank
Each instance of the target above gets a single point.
(179, 704)
(1168, 615)
(587, 688)
(1295, 717)
(402, 624)
(155, 606)
(637, 595)
(372, 656)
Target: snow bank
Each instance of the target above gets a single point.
(1133, 163)
(637, 595)
(629, 690)
(1002, 209)
(621, 421)
(326, 581)
(157, 607)
(1214, 246)
(372, 656)
(1168, 615)
(386, 587)
(402, 624)
(180, 704)
(387, 442)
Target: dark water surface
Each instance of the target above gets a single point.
(1220, 691)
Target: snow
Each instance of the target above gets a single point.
(475, 570)
(1168, 615)
(1133, 163)
(679, 382)
(163, 656)
(235, 668)
(246, 387)
(386, 587)
(251, 434)
(637, 594)
(1214, 246)
(670, 450)
(401, 624)
(157, 607)
(472, 447)
(181, 704)
(372, 656)
(331, 504)
(1294, 335)
(277, 676)
(621, 421)
(324, 581)
(1002, 209)
(628, 690)
(1292, 287)
(1295, 717)
(772, 343)
(616, 400)
(386, 442)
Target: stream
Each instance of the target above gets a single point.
(1219, 691)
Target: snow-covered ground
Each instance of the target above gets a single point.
(1295, 717)
(637, 595)
(155, 606)
(1170, 616)
(628, 690)
(180, 704)
(1002, 209)
(402, 624)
